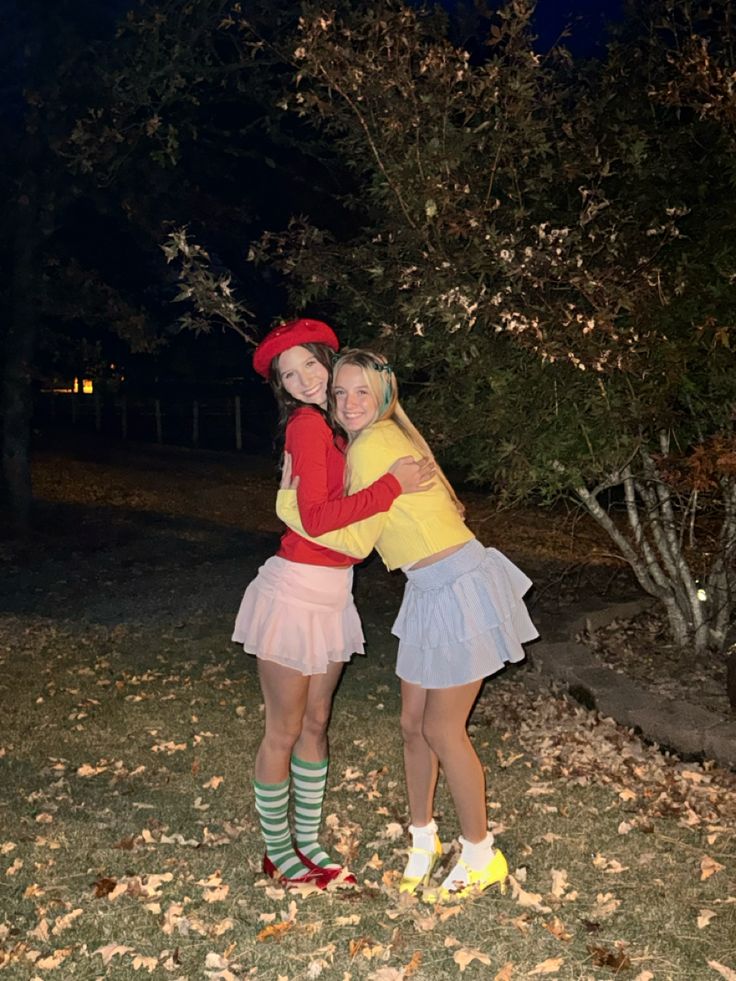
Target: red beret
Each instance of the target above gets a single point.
(281, 338)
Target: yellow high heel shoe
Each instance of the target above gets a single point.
(494, 873)
(410, 883)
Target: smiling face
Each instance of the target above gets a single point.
(355, 404)
(303, 376)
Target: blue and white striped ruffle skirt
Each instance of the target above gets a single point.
(462, 618)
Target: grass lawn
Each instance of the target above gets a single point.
(128, 845)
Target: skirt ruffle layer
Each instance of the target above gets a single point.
(300, 616)
(462, 618)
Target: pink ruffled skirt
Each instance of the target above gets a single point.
(300, 616)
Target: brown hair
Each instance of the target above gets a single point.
(287, 403)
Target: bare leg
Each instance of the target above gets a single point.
(420, 762)
(444, 727)
(285, 694)
(312, 744)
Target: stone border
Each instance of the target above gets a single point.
(687, 729)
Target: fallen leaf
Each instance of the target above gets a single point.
(40, 931)
(64, 922)
(147, 963)
(172, 916)
(644, 976)
(606, 905)
(393, 831)
(557, 928)
(52, 961)
(275, 930)
(724, 971)
(466, 955)
(414, 964)
(709, 867)
(506, 972)
(704, 918)
(112, 950)
(103, 887)
(15, 868)
(443, 915)
(616, 958)
(223, 926)
(559, 883)
(217, 895)
(530, 900)
(352, 920)
(550, 966)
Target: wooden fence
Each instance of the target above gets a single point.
(211, 422)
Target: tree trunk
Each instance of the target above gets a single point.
(20, 339)
(653, 548)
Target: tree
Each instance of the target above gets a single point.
(53, 75)
(547, 249)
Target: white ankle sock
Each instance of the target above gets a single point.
(477, 854)
(421, 837)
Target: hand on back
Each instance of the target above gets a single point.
(413, 475)
(287, 481)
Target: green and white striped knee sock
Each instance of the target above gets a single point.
(272, 805)
(309, 790)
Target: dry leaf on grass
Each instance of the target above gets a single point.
(276, 930)
(557, 928)
(352, 920)
(414, 964)
(52, 961)
(724, 971)
(616, 958)
(559, 883)
(385, 974)
(551, 966)
(506, 973)
(704, 918)
(709, 867)
(466, 955)
(606, 905)
(529, 900)
(64, 922)
(147, 963)
(112, 950)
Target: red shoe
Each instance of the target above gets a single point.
(314, 877)
(346, 878)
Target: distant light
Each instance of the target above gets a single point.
(87, 386)
(75, 386)
(702, 595)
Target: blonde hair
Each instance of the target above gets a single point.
(380, 378)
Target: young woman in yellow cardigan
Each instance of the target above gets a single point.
(462, 618)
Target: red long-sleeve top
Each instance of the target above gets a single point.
(320, 466)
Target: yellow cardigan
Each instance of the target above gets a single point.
(416, 525)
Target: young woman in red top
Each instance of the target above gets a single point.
(298, 615)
